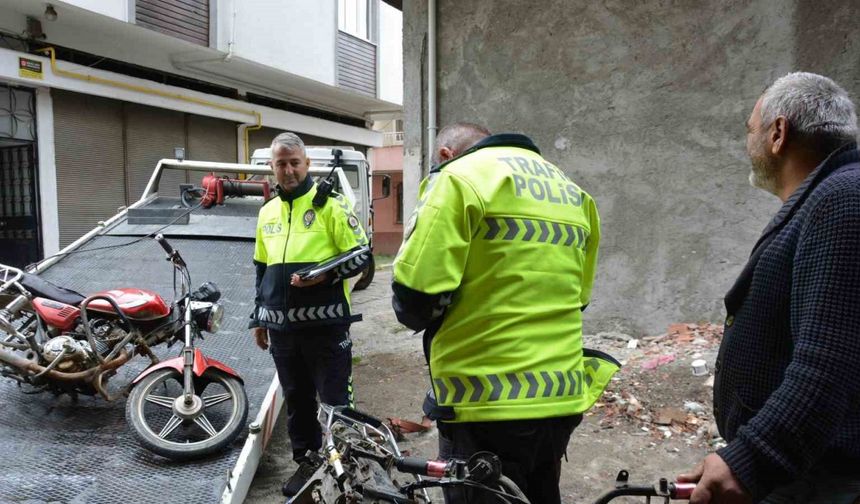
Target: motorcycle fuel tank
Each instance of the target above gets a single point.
(56, 314)
(138, 304)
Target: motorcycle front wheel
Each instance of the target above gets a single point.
(166, 425)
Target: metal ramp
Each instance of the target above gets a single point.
(54, 449)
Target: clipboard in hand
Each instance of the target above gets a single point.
(315, 270)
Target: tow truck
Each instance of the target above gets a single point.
(80, 449)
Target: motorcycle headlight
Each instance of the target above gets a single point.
(207, 316)
(216, 315)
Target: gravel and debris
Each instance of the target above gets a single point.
(647, 395)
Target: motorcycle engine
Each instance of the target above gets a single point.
(77, 355)
(106, 333)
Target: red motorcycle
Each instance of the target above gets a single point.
(57, 340)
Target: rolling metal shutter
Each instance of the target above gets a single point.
(185, 19)
(89, 158)
(106, 151)
(151, 134)
(210, 139)
(356, 64)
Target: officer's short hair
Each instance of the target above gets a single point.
(458, 137)
(289, 140)
(818, 110)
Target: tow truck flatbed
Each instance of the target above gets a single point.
(81, 450)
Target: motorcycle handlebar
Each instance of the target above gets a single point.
(163, 242)
(422, 467)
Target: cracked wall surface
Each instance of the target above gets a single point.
(643, 104)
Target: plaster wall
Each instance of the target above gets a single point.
(643, 104)
(390, 54)
(295, 36)
(117, 9)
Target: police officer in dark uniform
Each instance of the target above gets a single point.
(305, 322)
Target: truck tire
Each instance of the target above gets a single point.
(366, 276)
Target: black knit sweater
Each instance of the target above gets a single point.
(787, 391)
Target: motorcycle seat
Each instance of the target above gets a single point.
(40, 287)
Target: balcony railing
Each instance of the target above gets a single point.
(390, 138)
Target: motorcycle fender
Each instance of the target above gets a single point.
(175, 363)
(200, 365)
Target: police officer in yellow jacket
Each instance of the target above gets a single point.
(305, 322)
(496, 267)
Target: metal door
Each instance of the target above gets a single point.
(19, 195)
(19, 216)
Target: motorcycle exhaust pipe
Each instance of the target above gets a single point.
(28, 366)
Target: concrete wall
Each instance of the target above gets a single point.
(117, 9)
(643, 104)
(390, 54)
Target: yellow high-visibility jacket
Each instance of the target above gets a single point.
(292, 234)
(498, 262)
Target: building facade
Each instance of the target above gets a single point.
(94, 92)
(387, 162)
(643, 104)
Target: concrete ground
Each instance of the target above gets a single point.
(653, 421)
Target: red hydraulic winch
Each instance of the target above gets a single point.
(216, 188)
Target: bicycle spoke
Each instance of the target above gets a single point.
(170, 426)
(215, 399)
(167, 402)
(204, 424)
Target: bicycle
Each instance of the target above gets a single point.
(360, 462)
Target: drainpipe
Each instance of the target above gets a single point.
(232, 41)
(431, 79)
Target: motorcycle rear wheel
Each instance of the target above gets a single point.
(186, 434)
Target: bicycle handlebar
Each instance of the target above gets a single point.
(677, 491)
(684, 490)
(663, 489)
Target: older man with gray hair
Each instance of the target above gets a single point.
(787, 374)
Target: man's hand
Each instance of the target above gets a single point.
(715, 483)
(296, 281)
(261, 335)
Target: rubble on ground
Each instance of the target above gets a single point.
(662, 361)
